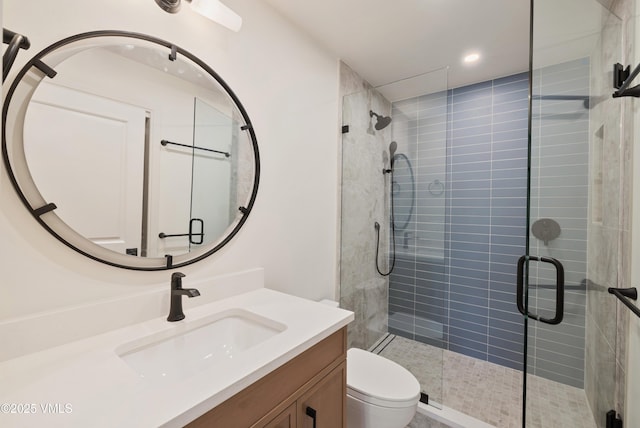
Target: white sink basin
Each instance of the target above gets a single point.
(197, 346)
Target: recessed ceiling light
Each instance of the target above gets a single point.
(471, 58)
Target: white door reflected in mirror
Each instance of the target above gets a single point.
(91, 170)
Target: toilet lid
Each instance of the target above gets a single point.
(380, 381)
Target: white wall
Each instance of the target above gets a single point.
(288, 86)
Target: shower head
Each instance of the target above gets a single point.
(381, 121)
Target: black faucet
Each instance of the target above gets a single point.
(175, 313)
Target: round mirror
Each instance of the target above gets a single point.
(130, 150)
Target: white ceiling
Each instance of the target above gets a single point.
(390, 40)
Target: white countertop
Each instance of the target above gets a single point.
(86, 384)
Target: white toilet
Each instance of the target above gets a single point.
(380, 392)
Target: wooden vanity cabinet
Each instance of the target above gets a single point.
(286, 419)
(313, 384)
(324, 402)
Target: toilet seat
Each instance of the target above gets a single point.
(379, 381)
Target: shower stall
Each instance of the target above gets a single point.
(480, 225)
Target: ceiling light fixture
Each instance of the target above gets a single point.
(212, 9)
(471, 58)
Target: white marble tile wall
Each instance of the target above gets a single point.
(365, 200)
(609, 236)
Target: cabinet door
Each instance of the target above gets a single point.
(324, 405)
(286, 419)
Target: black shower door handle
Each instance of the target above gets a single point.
(557, 319)
(192, 233)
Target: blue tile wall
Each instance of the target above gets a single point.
(454, 282)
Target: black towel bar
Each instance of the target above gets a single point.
(622, 78)
(624, 294)
(165, 142)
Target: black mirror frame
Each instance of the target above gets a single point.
(174, 50)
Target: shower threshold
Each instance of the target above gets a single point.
(489, 393)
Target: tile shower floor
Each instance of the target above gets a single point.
(487, 391)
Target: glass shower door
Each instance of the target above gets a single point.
(393, 249)
(213, 187)
(418, 286)
(573, 150)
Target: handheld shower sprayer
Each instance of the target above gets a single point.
(393, 147)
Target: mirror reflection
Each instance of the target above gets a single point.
(141, 150)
